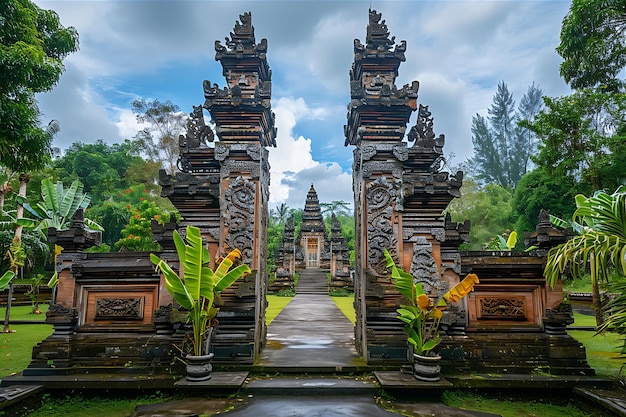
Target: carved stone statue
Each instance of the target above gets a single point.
(197, 131)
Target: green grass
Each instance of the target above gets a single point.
(24, 313)
(346, 305)
(79, 406)
(584, 320)
(275, 305)
(16, 348)
(603, 351)
(508, 407)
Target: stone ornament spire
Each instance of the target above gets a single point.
(378, 110)
(312, 219)
(248, 91)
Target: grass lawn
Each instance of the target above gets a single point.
(16, 348)
(275, 305)
(509, 407)
(346, 305)
(80, 406)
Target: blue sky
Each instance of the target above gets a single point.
(457, 50)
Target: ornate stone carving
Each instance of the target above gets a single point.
(401, 152)
(248, 286)
(422, 132)
(214, 92)
(240, 198)
(59, 311)
(502, 308)
(221, 152)
(214, 232)
(424, 268)
(380, 195)
(367, 152)
(231, 166)
(119, 308)
(377, 38)
(198, 133)
(439, 233)
(254, 152)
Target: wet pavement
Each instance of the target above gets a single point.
(289, 406)
(311, 333)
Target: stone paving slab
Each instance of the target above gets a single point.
(311, 386)
(613, 400)
(226, 380)
(310, 406)
(400, 380)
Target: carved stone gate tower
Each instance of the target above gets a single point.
(399, 194)
(224, 189)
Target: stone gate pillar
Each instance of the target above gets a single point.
(400, 193)
(224, 188)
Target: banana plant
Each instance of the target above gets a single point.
(5, 279)
(196, 286)
(57, 207)
(55, 210)
(422, 315)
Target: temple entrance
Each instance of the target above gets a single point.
(312, 252)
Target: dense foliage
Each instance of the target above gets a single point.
(502, 148)
(593, 45)
(33, 44)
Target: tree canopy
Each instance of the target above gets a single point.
(583, 139)
(593, 44)
(501, 147)
(33, 44)
(159, 139)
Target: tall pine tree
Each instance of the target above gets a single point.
(502, 148)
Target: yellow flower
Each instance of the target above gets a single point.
(436, 314)
(461, 289)
(423, 302)
(234, 255)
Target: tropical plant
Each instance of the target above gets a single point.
(5, 279)
(137, 235)
(58, 206)
(422, 315)
(196, 287)
(55, 210)
(504, 242)
(600, 243)
(592, 45)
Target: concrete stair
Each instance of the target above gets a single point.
(312, 281)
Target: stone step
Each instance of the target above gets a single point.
(303, 385)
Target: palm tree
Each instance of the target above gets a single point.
(281, 212)
(33, 154)
(600, 222)
(337, 207)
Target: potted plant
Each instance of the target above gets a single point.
(422, 316)
(196, 288)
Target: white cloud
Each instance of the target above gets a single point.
(127, 124)
(458, 50)
(292, 154)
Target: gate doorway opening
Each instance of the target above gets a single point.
(312, 252)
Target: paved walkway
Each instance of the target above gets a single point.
(311, 333)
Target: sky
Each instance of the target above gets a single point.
(457, 50)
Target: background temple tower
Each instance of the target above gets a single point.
(312, 237)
